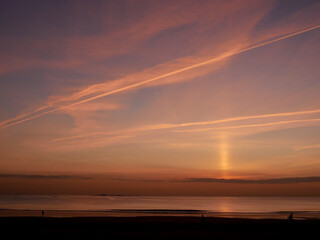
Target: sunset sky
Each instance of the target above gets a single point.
(183, 97)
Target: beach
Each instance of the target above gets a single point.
(157, 227)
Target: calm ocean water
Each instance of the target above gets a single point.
(252, 207)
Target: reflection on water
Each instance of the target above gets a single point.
(253, 207)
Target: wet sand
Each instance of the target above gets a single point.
(157, 228)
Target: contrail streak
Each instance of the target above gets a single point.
(210, 61)
(307, 147)
(22, 116)
(191, 124)
(244, 118)
(252, 125)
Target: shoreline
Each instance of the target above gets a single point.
(123, 213)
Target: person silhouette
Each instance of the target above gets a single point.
(42, 213)
(290, 218)
(203, 220)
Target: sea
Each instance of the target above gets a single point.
(133, 206)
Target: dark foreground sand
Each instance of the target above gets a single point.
(156, 228)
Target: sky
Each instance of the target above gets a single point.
(214, 98)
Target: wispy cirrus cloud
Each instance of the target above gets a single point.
(167, 83)
(120, 136)
(203, 123)
(252, 125)
(91, 89)
(314, 146)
